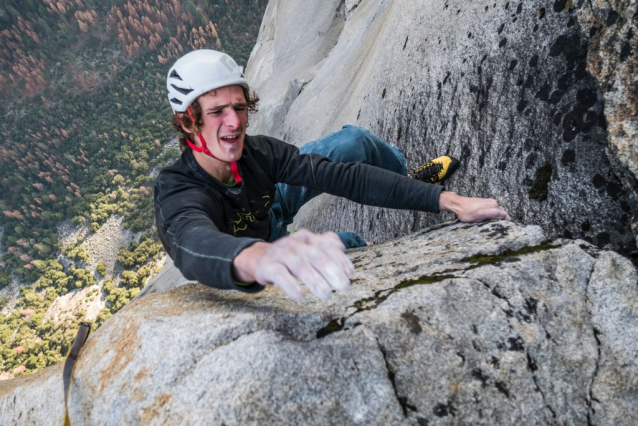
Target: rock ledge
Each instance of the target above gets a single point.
(480, 324)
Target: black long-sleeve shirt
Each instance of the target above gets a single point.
(203, 224)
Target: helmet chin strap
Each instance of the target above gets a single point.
(204, 149)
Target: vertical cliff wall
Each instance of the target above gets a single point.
(537, 98)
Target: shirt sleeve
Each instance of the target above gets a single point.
(199, 250)
(361, 183)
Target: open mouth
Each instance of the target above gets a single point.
(232, 139)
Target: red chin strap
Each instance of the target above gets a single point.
(204, 149)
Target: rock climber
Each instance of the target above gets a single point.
(223, 208)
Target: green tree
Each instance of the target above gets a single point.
(130, 278)
(5, 279)
(101, 268)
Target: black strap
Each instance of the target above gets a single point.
(69, 365)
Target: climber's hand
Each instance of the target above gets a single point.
(316, 260)
(469, 209)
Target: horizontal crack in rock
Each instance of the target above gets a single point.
(486, 259)
(378, 298)
(429, 279)
(374, 301)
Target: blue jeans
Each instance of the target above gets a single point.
(349, 145)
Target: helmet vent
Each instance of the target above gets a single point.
(176, 101)
(180, 90)
(175, 75)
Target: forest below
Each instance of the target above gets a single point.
(85, 128)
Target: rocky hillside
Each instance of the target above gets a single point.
(538, 99)
(472, 324)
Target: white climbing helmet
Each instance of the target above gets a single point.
(199, 72)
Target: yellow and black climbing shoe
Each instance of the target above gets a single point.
(436, 170)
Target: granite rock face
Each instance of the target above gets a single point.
(459, 324)
(613, 60)
(537, 98)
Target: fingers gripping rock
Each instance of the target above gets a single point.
(318, 261)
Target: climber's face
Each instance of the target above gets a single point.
(224, 121)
